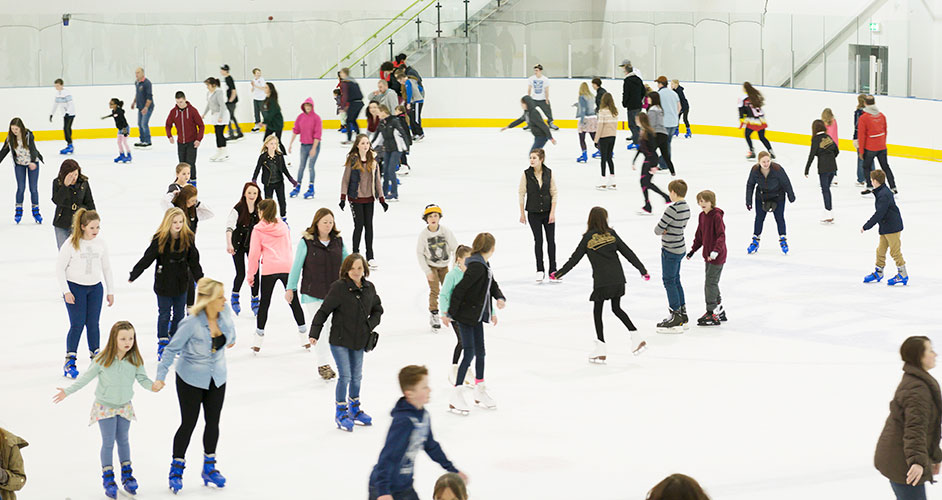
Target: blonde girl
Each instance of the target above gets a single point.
(588, 121)
(181, 180)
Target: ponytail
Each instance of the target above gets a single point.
(81, 218)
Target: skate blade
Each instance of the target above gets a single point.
(640, 349)
(492, 407)
(458, 411)
(673, 330)
(599, 360)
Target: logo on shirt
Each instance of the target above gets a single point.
(438, 248)
(600, 240)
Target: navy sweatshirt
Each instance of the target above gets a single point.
(886, 213)
(411, 430)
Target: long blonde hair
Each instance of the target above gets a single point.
(81, 218)
(163, 236)
(584, 90)
(271, 137)
(827, 116)
(207, 290)
(106, 357)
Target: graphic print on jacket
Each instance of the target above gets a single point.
(420, 431)
(600, 240)
(438, 249)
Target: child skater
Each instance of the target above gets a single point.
(605, 138)
(64, 99)
(116, 369)
(711, 235)
(117, 112)
(26, 158)
(769, 183)
(891, 226)
(603, 245)
(410, 431)
(182, 179)
(824, 146)
(434, 247)
(444, 301)
(271, 164)
(752, 117)
(362, 184)
(671, 229)
(588, 120)
(647, 142)
(196, 211)
(403, 115)
(534, 120)
(242, 219)
(83, 262)
(471, 307)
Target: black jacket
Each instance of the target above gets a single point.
(170, 277)
(603, 250)
(887, 213)
(775, 186)
(273, 169)
(387, 128)
(534, 119)
(684, 104)
(539, 199)
(632, 92)
(598, 98)
(321, 265)
(69, 199)
(824, 148)
(471, 298)
(34, 153)
(356, 313)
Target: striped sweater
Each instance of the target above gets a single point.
(671, 227)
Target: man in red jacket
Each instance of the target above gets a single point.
(189, 132)
(871, 134)
(711, 235)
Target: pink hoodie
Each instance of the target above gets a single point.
(308, 125)
(272, 244)
(832, 131)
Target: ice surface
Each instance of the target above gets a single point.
(784, 401)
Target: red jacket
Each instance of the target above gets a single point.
(711, 235)
(188, 122)
(871, 130)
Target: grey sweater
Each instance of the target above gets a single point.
(671, 227)
(656, 118)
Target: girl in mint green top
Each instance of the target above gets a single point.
(116, 368)
(444, 300)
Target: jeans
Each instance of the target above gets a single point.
(23, 172)
(538, 142)
(390, 182)
(868, 167)
(349, 369)
(472, 341)
(664, 162)
(268, 288)
(191, 399)
(166, 326)
(67, 127)
(606, 153)
(711, 285)
(62, 234)
(826, 188)
(258, 111)
(670, 270)
(114, 429)
(539, 222)
(635, 131)
(353, 112)
(860, 170)
(907, 492)
(308, 160)
(409, 494)
(83, 315)
(779, 216)
(143, 124)
(186, 153)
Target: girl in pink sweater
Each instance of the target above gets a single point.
(271, 244)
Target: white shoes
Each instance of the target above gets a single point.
(540, 276)
(259, 338)
(458, 402)
(482, 398)
(598, 353)
(453, 376)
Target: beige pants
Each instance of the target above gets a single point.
(891, 242)
(434, 286)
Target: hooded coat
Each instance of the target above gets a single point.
(11, 464)
(871, 129)
(308, 125)
(271, 243)
(534, 120)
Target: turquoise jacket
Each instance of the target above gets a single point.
(300, 254)
(115, 383)
(198, 364)
(451, 281)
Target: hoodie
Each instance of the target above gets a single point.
(871, 130)
(533, 118)
(271, 243)
(410, 431)
(711, 235)
(308, 125)
(188, 122)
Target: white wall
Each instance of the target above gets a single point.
(711, 104)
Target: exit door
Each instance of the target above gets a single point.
(868, 69)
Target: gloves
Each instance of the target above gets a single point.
(343, 203)
(749, 207)
(382, 201)
(647, 277)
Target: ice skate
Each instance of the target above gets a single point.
(107, 478)
(584, 157)
(18, 214)
(36, 216)
(255, 304)
(539, 276)
(598, 354)
(901, 278)
(751, 155)
(236, 306)
(120, 158)
(553, 278)
(689, 134)
(210, 474)
(784, 244)
(640, 348)
(403, 171)
(720, 312)
(860, 184)
(603, 184)
(357, 415)
(453, 375)
(482, 398)
(708, 319)
(458, 402)
(309, 194)
(222, 154)
(373, 264)
(127, 478)
(754, 246)
(215, 157)
(611, 182)
(645, 210)
(294, 192)
(259, 338)
(867, 191)
(671, 324)
(772, 154)
(67, 150)
(326, 372)
(69, 369)
(827, 217)
(342, 418)
(685, 322)
(161, 345)
(875, 277)
(176, 474)
(303, 338)
(435, 321)
(597, 154)
(632, 146)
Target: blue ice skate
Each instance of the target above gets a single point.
(107, 479)
(357, 415)
(176, 474)
(875, 277)
(899, 279)
(127, 478)
(754, 246)
(342, 418)
(210, 474)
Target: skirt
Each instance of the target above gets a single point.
(588, 124)
(101, 412)
(607, 292)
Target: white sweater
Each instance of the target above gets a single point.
(84, 266)
(435, 249)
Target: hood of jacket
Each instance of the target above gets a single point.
(15, 441)
(872, 109)
(277, 230)
(180, 110)
(529, 102)
(308, 101)
(716, 212)
(404, 408)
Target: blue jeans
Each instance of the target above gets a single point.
(860, 170)
(390, 165)
(83, 315)
(409, 494)
(826, 188)
(143, 123)
(22, 172)
(670, 137)
(114, 429)
(308, 160)
(670, 274)
(472, 341)
(62, 235)
(166, 326)
(350, 369)
(907, 492)
(538, 142)
(779, 213)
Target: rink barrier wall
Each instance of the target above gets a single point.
(448, 105)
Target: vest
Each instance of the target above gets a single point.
(539, 199)
(321, 266)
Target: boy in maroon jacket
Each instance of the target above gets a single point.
(189, 132)
(711, 235)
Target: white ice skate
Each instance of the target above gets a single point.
(611, 182)
(435, 322)
(643, 346)
(403, 170)
(827, 217)
(539, 276)
(603, 184)
(458, 402)
(372, 263)
(598, 353)
(223, 154)
(215, 157)
(259, 338)
(453, 375)
(302, 336)
(482, 398)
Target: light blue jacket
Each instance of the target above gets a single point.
(451, 281)
(585, 107)
(198, 363)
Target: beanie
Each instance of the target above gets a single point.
(431, 209)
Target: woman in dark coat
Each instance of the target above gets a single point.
(825, 149)
(355, 311)
(908, 451)
(70, 192)
(603, 245)
(770, 185)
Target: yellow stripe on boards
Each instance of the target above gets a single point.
(898, 150)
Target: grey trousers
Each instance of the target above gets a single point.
(711, 286)
(635, 130)
(545, 107)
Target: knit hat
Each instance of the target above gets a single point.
(431, 209)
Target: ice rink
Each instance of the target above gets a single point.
(784, 401)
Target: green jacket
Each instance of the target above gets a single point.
(12, 473)
(271, 116)
(115, 383)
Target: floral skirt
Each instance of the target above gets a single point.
(101, 412)
(588, 124)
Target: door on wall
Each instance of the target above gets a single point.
(868, 69)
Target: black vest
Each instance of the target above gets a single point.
(242, 235)
(321, 266)
(539, 199)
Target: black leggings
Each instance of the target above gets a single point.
(191, 398)
(683, 114)
(268, 287)
(582, 138)
(647, 184)
(220, 135)
(662, 145)
(279, 188)
(363, 219)
(607, 148)
(539, 222)
(762, 138)
(239, 260)
(67, 127)
(617, 310)
(458, 348)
